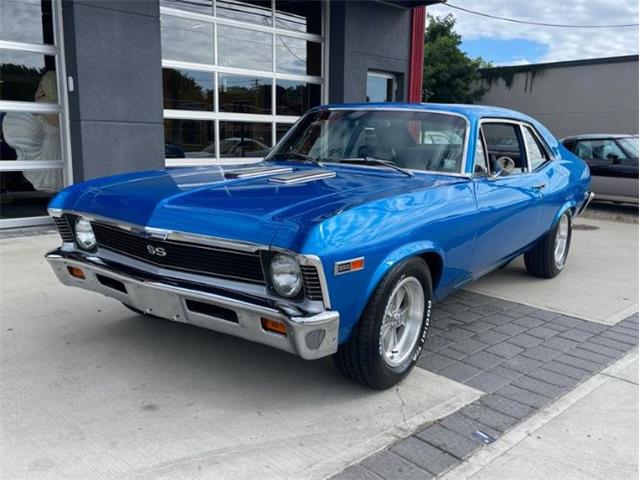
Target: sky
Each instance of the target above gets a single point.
(506, 43)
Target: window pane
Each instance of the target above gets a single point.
(244, 94)
(187, 40)
(536, 155)
(29, 136)
(189, 138)
(27, 77)
(295, 98)
(602, 150)
(242, 48)
(294, 55)
(256, 11)
(333, 135)
(200, 6)
(299, 16)
(503, 141)
(26, 21)
(244, 139)
(281, 130)
(26, 193)
(630, 144)
(479, 159)
(380, 89)
(187, 89)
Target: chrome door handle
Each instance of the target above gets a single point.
(540, 186)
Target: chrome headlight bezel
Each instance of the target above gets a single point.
(84, 235)
(285, 275)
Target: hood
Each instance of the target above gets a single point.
(204, 201)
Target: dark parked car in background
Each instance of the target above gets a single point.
(613, 161)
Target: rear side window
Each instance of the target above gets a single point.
(604, 150)
(537, 154)
(504, 140)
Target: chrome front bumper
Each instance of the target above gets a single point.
(309, 337)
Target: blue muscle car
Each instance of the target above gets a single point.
(340, 240)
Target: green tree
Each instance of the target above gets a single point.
(450, 75)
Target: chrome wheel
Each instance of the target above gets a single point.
(402, 322)
(562, 238)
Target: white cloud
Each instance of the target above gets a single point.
(517, 61)
(562, 43)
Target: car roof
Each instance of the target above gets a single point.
(472, 112)
(594, 136)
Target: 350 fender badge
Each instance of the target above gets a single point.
(347, 266)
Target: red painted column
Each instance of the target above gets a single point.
(416, 55)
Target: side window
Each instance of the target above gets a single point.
(537, 155)
(504, 140)
(601, 151)
(583, 150)
(480, 158)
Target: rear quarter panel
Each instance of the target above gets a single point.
(568, 183)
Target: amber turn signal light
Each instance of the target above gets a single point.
(274, 326)
(357, 264)
(76, 272)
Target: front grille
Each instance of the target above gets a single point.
(64, 228)
(311, 280)
(217, 262)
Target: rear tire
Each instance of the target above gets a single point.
(387, 340)
(548, 257)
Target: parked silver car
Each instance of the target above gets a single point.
(613, 161)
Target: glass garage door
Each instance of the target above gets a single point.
(33, 142)
(237, 75)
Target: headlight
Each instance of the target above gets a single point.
(84, 234)
(286, 277)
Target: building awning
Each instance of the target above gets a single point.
(404, 3)
(413, 3)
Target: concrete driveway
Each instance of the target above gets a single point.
(89, 390)
(600, 281)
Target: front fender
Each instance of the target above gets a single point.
(398, 255)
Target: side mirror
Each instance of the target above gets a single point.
(504, 166)
(613, 158)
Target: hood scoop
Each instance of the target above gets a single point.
(302, 177)
(253, 172)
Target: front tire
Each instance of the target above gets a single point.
(548, 257)
(387, 341)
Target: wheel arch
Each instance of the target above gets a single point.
(430, 252)
(569, 206)
(435, 263)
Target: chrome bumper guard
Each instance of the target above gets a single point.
(308, 337)
(588, 197)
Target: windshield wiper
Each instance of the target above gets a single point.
(377, 161)
(297, 156)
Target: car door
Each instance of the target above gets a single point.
(508, 205)
(613, 172)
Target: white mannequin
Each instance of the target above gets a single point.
(37, 137)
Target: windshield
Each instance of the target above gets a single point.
(630, 144)
(410, 139)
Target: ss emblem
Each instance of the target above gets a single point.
(157, 251)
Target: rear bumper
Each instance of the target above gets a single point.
(309, 337)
